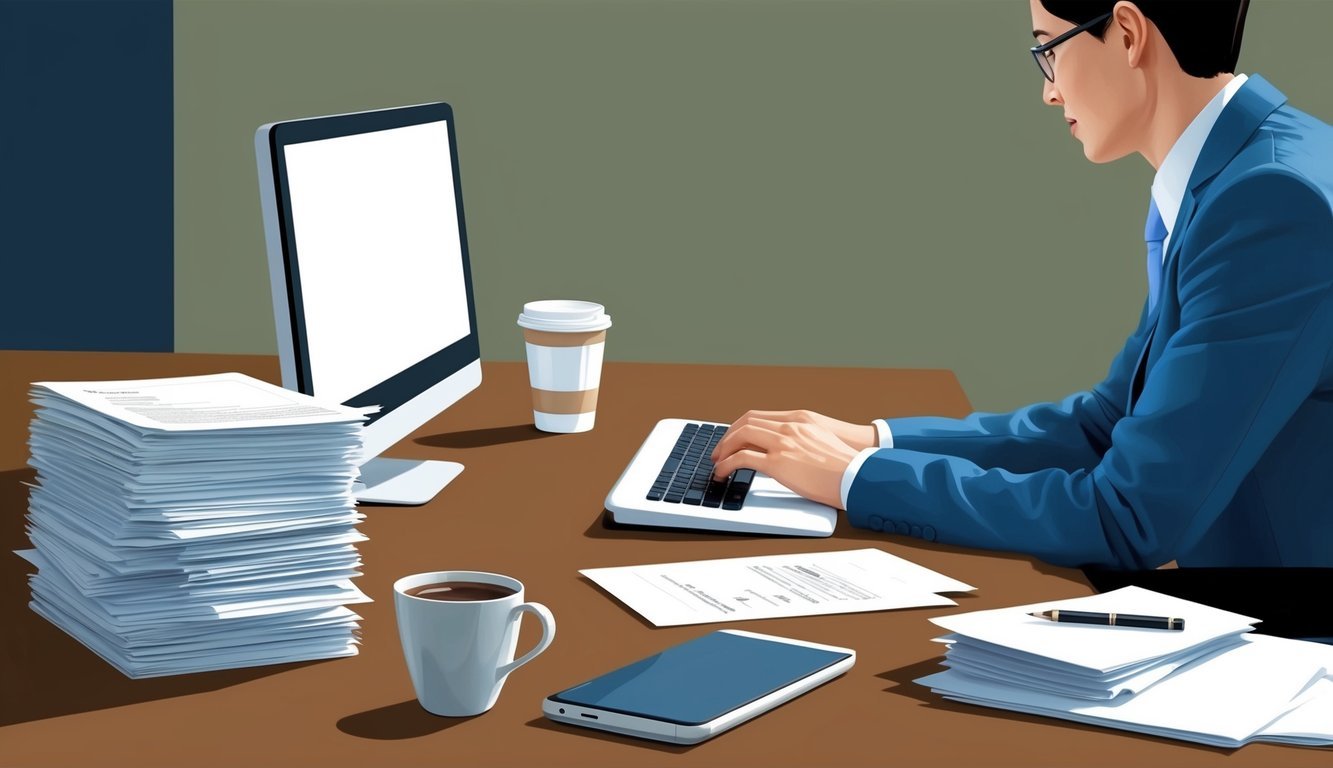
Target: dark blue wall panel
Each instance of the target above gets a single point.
(86, 174)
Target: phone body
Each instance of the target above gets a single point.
(695, 690)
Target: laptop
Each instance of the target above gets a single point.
(669, 483)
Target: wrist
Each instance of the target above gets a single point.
(870, 434)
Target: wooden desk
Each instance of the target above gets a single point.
(530, 504)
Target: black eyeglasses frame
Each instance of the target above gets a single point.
(1039, 51)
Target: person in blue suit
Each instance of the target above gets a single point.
(1210, 442)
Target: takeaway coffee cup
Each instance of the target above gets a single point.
(565, 340)
(459, 630)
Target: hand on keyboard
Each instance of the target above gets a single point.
(804, 451)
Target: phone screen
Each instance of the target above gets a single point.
(700, 680)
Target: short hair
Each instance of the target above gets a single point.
(1204, 35)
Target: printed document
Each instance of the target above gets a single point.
(774, 586)
(1084, 648)
(195, 523)
(1225, 700)
(219, 401)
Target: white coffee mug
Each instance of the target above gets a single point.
(459, 652)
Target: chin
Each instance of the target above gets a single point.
(1099, 153)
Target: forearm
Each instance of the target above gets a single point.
(1054, 515)
(1072, 434)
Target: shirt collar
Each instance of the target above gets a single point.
(1168, 186)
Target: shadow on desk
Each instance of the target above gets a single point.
(404, 720)
(604, 526)
(481, 438)
(47, 673)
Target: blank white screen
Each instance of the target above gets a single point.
(380, 260)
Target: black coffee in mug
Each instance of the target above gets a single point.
(460, 591)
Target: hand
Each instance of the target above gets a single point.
(805, 451)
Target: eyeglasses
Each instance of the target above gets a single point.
(1042, 53)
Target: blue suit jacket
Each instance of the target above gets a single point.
(1211, 440)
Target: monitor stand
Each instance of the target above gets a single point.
(403, 481)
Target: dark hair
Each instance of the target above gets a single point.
(1204, 35)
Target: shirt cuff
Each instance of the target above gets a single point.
(885, 434)
(850, 474)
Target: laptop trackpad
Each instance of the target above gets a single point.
(771, 494)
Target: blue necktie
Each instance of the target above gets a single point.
(1154, 232)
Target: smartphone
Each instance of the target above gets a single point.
(693, 691)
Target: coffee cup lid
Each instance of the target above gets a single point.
(564, 315)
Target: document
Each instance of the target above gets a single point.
(194, 523)
(1211, 682)
(1224, 700)
(1082, 648)
(1017, 670)
(219, 401)
(1310, 724)
(774, 586)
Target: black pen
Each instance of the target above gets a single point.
(1112, 619)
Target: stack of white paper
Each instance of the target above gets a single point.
(195, 523)
(1211, 682)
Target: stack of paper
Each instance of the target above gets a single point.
(195, 523)
(1211, 682)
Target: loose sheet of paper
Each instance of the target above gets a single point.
(736, 589)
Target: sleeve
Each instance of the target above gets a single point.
(1072, 434)
(1254, 279)
(883, 434)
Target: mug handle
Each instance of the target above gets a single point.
(548, 634)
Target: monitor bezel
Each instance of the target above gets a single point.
(403, 387)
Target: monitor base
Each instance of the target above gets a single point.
(403, 481)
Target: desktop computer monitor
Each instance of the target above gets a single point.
(372, 288)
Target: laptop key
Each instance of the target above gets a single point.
(736, 492)
(713, 495)
(686, 474)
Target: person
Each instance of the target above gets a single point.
(1211, 438)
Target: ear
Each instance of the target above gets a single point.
(1131, 29)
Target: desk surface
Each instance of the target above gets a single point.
(63, 706)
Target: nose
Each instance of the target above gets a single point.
(1050, 94)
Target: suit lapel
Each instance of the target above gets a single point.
(1251, 105)
(1247, 110)
(1242, 116)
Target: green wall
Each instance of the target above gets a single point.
(816, 183)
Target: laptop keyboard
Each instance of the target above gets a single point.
(687, 475)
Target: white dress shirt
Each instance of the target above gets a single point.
(1168, 186)
(1168, 191)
